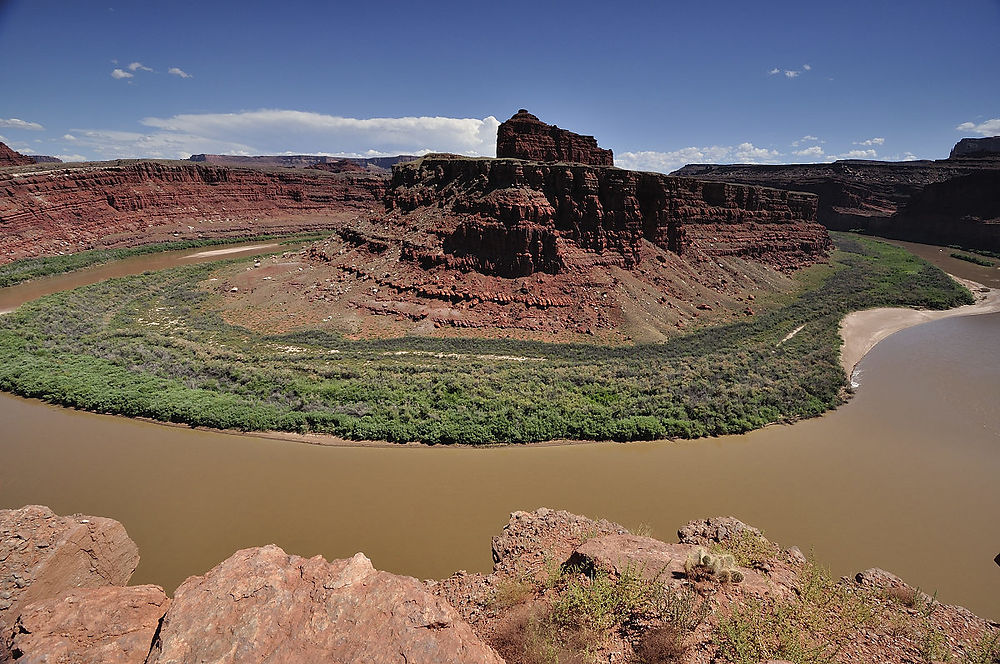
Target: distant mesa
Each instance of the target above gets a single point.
(9, 157)
(371, 164)
(46, 159)
(524, 136)
(976, 147)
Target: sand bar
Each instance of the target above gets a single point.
(862, 330)
(231, 250)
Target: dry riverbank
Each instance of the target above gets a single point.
(862, 330)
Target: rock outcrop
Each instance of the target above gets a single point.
(976, 147)
(43, 555)
(524, 136)
(262, 605)
(885, 198)
(519, 218)
(562, 586)
(55, 209)
(90, 626)
(10, 157)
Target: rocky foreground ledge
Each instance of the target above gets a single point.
(564, 588)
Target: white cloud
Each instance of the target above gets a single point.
(871, 141)
(987, 128)
(909, 156)
(69, 137)
(137, 66)
(806, 139)
(774, 71)
(121, 73)
(791, 73)
(814, 151)
(858, 154)
(665, 162)
(177, 71)
(807, 67)
(17, 123)
(70, 157)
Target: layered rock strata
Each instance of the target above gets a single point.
(886, 198)
(52, 209)
(518, 218)
(524, 136)
(499, 245)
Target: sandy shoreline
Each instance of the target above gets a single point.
(231, 250)
(862, 330)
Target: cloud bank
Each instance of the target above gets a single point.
(277, 131)
(665, 162)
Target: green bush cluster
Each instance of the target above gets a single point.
(154, 345)
(972, 259)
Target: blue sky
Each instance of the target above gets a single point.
(660, 83)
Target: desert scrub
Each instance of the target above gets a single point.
(812, 628)
(748, 548)
(155, 345)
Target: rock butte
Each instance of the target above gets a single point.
(524, 136)
(263, 605)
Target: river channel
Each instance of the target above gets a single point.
(906, 476)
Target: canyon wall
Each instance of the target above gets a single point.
(524, 136)
(516, 218)
(55, 209)
(885, 197)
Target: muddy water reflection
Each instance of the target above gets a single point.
(904, 477)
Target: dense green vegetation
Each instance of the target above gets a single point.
(972, 259)
(981, 252)
(32, 268)
(154, 345)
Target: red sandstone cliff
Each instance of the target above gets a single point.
(885, 197)
(544, 249)
(55, 209)
(518, 218)
(9, 157)
(524, 136)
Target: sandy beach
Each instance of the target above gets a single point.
(862, 330)
(231, 250)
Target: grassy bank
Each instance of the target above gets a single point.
(153, 345)
(31, 268)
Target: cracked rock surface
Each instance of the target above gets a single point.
(43, 555)
(263, 605)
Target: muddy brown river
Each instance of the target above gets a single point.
(906, 476)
